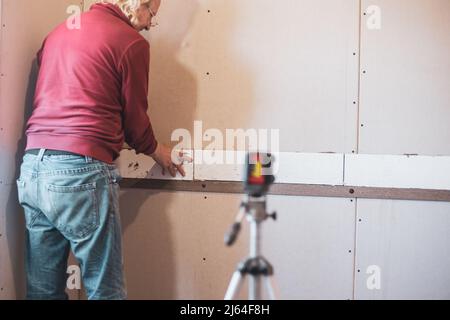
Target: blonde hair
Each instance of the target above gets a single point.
(128, 7)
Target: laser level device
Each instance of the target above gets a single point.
(258, 174)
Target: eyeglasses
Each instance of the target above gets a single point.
(155, 24)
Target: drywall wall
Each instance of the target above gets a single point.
(173, 244)
(402, 250)
(404, 77)
(404, 109)
(294, 66)
(258, 64)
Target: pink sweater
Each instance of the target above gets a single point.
(92, 88)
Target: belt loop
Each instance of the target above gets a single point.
(41, 155)
(88, 159)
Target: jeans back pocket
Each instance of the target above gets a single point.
(74, 210)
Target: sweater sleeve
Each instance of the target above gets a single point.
(134, 67)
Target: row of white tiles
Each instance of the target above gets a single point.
(384, 171)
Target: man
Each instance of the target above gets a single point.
(90, 98)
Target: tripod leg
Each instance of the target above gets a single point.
(255, 288)
(235, 286)
(270, 287)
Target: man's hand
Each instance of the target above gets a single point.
(163, 156)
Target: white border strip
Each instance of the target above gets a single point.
(295, 168)
(385, 171)
(213, 165)
(311, 168)
(380, 171)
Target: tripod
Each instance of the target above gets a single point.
(255, 266)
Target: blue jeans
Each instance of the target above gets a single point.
(71, 203)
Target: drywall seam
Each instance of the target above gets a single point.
(359, 77)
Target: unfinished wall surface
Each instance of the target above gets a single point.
(405, 107)
(181, 252)
(324, 75)
(405, 77)
(405, 243)
(253, 64)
